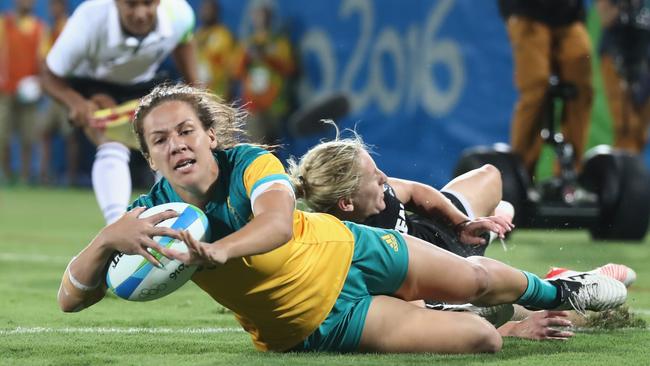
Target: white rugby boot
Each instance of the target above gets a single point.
(589, 291)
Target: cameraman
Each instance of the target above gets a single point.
(548, 37)
(625, 51)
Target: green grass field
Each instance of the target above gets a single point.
(41, 229)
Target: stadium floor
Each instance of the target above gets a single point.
(42, 228)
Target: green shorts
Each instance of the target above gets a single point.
(379, 266)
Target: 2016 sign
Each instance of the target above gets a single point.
(413, 55)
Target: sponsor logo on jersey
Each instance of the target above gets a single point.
(391, 240)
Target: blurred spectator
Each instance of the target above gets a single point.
(107, 54)
(215, 44)
(548, 37)
(264, 62)
(55, 120)
(23, 42)
(625, 66)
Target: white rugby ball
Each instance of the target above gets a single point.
(132, 277)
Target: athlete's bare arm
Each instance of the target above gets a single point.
(184, 56)
(80, 108)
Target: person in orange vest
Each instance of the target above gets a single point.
(23, 42)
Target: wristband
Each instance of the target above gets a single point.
(76, 282)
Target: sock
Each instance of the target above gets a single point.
(539, 294)
(112, 179)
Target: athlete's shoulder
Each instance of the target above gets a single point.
(177, 5)
(89, 20)
(179, 12)
(245, 153)
(161, 192)
(249, 149)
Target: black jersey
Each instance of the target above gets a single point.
(434, 231)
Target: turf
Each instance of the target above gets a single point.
(42, 228)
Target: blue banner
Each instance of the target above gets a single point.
(426, 80)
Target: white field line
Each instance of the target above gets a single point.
(41, 330)
(33, 258)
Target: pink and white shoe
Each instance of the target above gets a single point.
(619, 272)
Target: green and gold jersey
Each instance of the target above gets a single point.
(282, 296)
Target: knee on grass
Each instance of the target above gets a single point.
(486, 340)
(477, 335)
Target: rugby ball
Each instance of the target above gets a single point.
(132, 277)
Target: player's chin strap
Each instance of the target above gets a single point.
(76, 282)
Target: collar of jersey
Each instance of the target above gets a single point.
(220, 191)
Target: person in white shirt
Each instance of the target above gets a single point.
(108, 53)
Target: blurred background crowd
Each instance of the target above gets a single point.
(424, 79)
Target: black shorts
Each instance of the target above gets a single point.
(119, 92)
(441, 235)
(141, 176)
